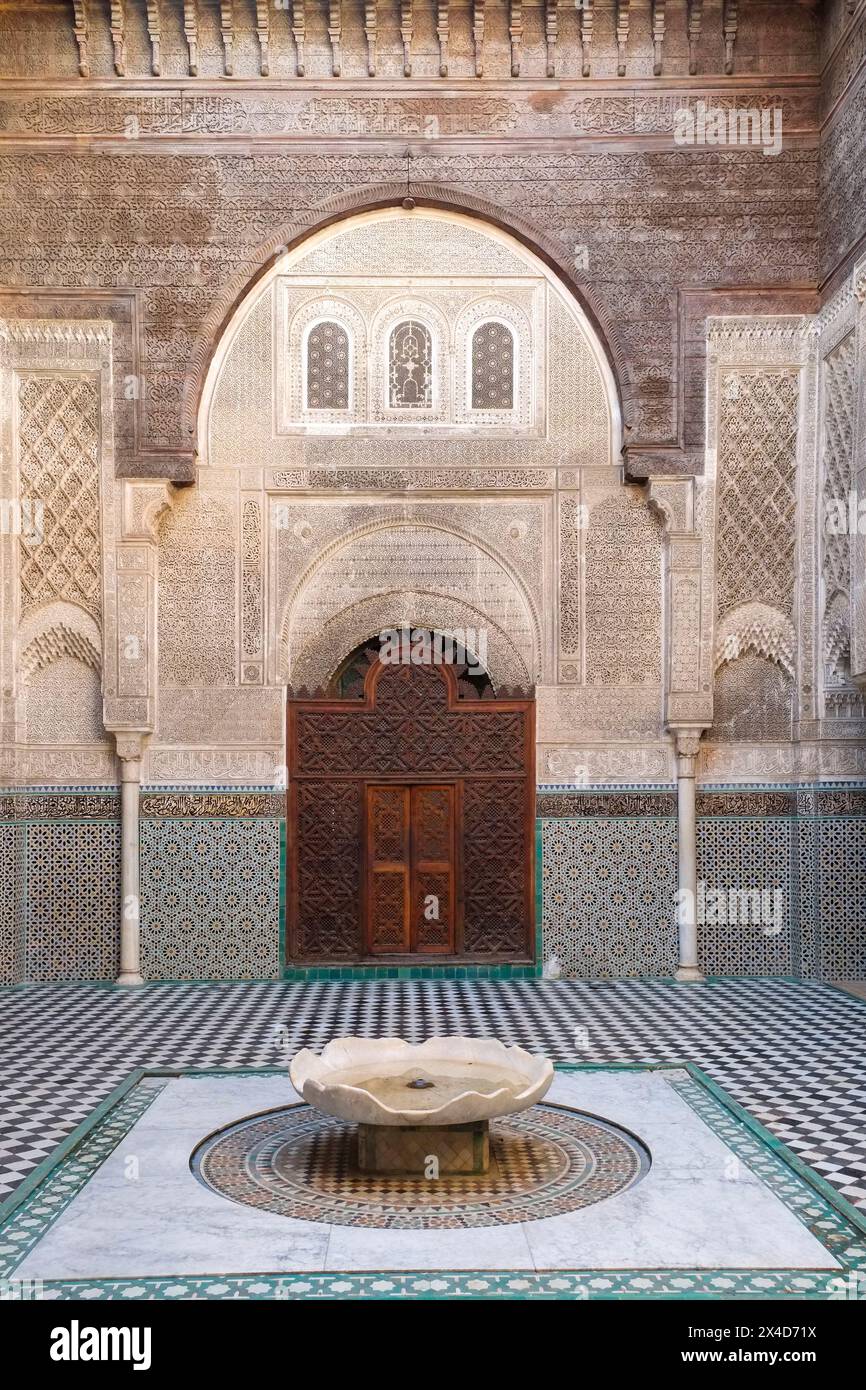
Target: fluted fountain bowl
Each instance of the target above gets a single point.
(443, 1081)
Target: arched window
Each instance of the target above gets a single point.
(410, 367)
(327, 367)
(492, 367)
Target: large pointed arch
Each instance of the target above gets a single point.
(550, 254)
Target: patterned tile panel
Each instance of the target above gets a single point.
(841, 868)
(72, 900)
(749, 860)
(10, 925)
(608, 893)
(210, 905)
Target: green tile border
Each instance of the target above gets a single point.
(503, 971)
(29, 1213)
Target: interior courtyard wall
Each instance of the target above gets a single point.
(180, 197)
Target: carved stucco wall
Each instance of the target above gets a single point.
(260, 585)
(589, 595)
(60, 502)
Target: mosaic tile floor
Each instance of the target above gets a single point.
(303, 1164)
(794, 1055)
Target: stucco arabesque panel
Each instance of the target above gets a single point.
(63, 616)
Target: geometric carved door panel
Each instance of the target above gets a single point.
(388, 869)
(410, 869)
(411, 820)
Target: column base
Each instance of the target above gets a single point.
(690, 974)
(129, 977)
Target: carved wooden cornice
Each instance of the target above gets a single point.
(130, 19)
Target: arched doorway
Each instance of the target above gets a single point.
(411, 815)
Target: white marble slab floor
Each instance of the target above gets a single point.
(145, 1213)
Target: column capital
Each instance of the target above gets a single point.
(130, 744)
(687, 740)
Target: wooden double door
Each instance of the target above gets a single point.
(410, 868)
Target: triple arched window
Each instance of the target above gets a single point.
(411, 364)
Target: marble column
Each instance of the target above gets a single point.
(687, 742)
(129, 751)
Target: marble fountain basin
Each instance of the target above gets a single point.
(413, 1100)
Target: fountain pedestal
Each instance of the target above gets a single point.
(422, 1151)
(422, 1110)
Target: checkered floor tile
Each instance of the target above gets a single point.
(793, 1054)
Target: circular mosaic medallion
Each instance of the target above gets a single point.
(543, 1162)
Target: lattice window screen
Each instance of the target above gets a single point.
(492, 367)
(327, 367)
(410, 367)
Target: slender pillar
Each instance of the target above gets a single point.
(687, 856)
(129, 751)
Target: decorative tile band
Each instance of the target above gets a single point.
(20, 806)
(568, 805)
(211, 805)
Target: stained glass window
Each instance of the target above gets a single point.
(327, 367)
(410, 367)
(492, 367)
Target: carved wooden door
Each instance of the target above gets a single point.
(409, 900)
(410, 821)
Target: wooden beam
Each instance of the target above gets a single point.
(730, 22)
(227, 30)
(586, 18)
(299, 34)
(551, 24)
(658, 36)
(696, 14)
(622, 23)
(478, 35)
(442, 33)
(406, 23)
(155, 36)
(117, 21)
(263, 29)
(371, 18)
(190, 31)
(335, 35)
(515, 32)
(79, 20)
